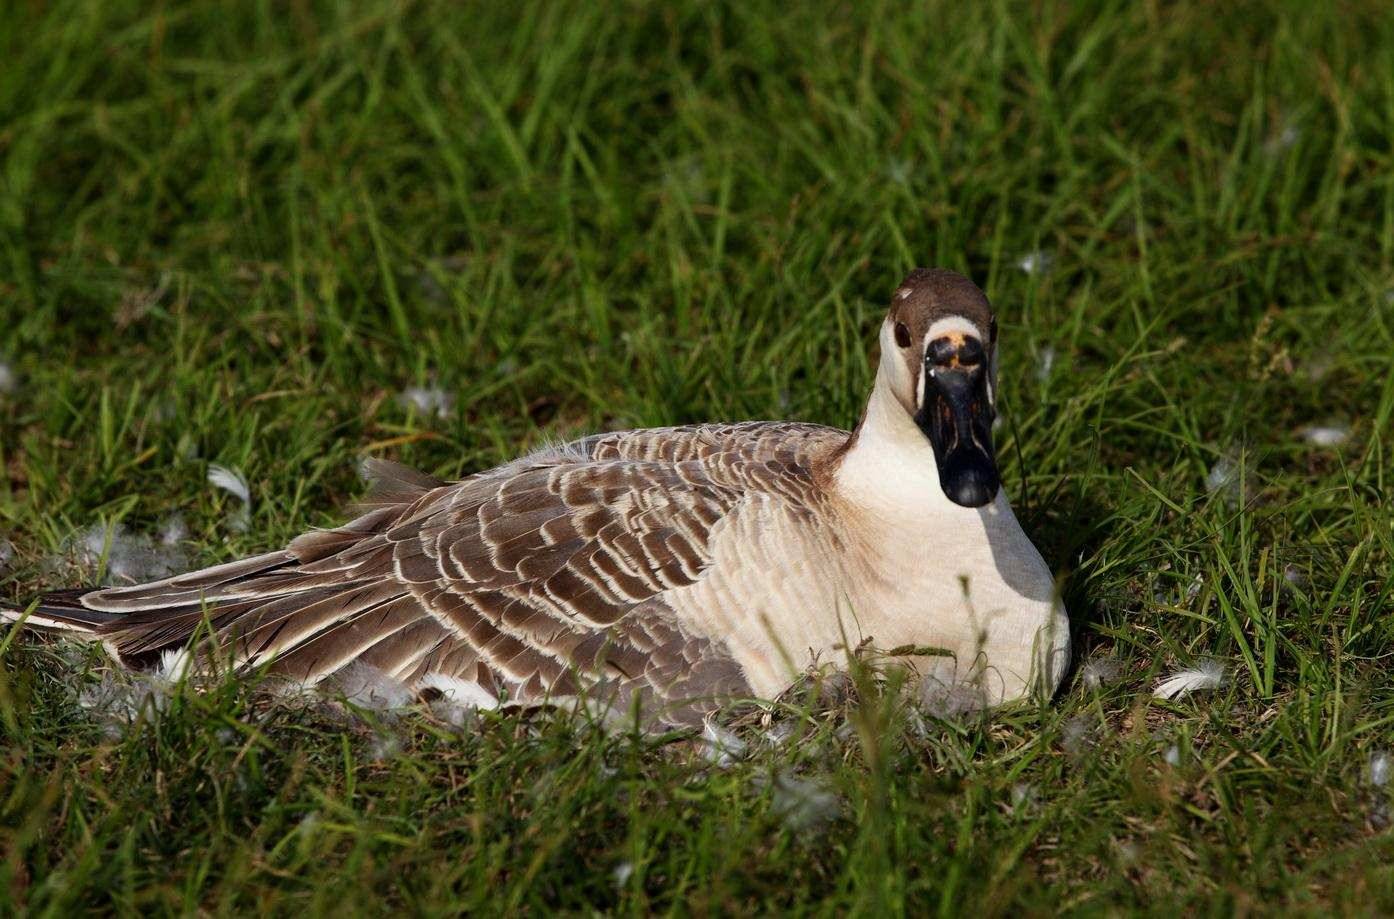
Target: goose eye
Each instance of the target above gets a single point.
(902, 335)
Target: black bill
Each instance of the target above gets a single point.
(957, 418)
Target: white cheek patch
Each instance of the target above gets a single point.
(893, 364)
(950, 324)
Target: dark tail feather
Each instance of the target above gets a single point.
(62, 611)
(334, 577)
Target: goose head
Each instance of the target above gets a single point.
(938, 356)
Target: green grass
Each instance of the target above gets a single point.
(234, 233)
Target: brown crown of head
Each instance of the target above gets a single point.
(930, 294)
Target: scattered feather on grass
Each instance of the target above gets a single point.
(297, 695)
(778, 734)
(1222, 475)
(173, 530)
(1286, 138)
(175, 666)
(622, 873)
(231, 481)
(1376, 796)
(1194, 588)
(459, 692)
(120, 698)
(384, 746)
(1036, 262)
(131, 558)
(234, 483)
(719, 746)
(9, 380)
(367, 687)
(1172, 755)
(1045, 363)
(7, 553)
(950, 701)
(1230, 479)
(1377, 774)
(1077, 735)
(427, 400)
(460, 717)
(1206, 675)
(801, 804)
(309, 824)
(1331, 435)
(114, 703)
(1099, 672)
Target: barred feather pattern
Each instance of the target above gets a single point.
(544, 578)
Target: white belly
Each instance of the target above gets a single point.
(783, 592)
(980, 590)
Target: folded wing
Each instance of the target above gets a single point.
(538, 580)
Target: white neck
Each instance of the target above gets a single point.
(890, 468)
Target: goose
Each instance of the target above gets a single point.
(668, 570)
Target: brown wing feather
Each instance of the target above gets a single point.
(541, 577)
